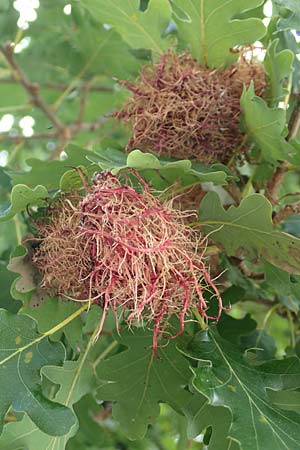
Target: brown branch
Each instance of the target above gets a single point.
(31, 88)
(92, 126)
(35, 136)
(288, 210)
(64, 132)
(276, 180)
(83, 100)
(73, 129)
(63, 86)
(250, 274)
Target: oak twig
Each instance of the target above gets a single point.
(64, 86)
(288, 210)
(63, 133)
(31, 88)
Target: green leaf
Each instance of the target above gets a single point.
(24, 434)
(289, 10)
(210, 28)
(279, 67)
(138, 382)
(94, 434)
(76, 378)
(234, 329)
(22, 197)
(71, 179)
(49, 173)
(288, 40)
(52, 311)
(5, 185)
(113, 58)
(287, 400)
(160, 174)
(226, 378)
(202, 415)
(23, 352)
(6, 300)
(284, 286)
(138, 29)
(266, 127)
(249, 227)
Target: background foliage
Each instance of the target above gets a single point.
(234, 385)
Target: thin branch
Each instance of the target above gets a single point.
(64, 86)
(91, 126)
(276, 180)
(83, 100)
(35, 136)
(287, 211)
(31, 88)
(73, 129)
(295, 123)
(77, 79)
(63, 133)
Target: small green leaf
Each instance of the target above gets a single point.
(201, 415)
(288, 39)
(287, 400)
(226, 378)
(6, 300)
(71, 179)
(138, 29)
(76, 378)
(23, 352)
(249, 227)
(24, 434)
(138, 382)
(210, 28)
(49, 313)
(289, 10)
(22, 197)
(265, 126)
(5, 185)
(160, 174)
(279, 67)
(139, 160)
(49, 173)
(284, 286)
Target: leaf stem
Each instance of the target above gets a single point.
(266, 320)
(200, 320)
(79, 369)
(105, 352)
(292, 328)
(170, 194)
